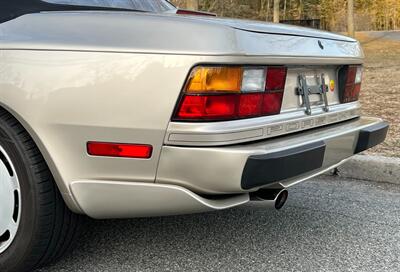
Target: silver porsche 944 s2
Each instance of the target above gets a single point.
(121, 109)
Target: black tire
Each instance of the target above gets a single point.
(47, 228)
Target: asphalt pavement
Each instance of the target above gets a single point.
(328, 224)
(389, 35)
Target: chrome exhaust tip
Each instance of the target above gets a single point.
(276, 197)
(280, 200)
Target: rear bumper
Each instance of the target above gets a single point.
(371, 136)
(281, 161)
(261, 170)
(185, 175)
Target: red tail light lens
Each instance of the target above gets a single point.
(138, 151)
(206, 107)
(250, 92)
(276, 78)
(272, 103)
(250, 105)
(350, 78)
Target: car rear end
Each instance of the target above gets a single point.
(143, 114)
(283, 109)
(199, 113)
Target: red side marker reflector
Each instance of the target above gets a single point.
(102, 149)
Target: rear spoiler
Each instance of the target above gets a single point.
(193, 12)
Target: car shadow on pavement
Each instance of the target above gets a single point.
(316, 230)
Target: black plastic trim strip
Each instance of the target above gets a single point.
(371, 136)
(261, 170)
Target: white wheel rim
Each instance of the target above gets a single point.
(10, 201)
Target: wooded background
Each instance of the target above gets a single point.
(368, 14)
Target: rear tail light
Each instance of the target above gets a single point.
(350, 78)
(230, 93)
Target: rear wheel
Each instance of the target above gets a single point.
(10, 201)
(36, 227)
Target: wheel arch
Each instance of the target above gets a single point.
(61, 185)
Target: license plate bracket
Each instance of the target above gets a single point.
(305, 90)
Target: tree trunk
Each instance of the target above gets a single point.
(350, 17)
(299, 10)
(276, 11)
(192, 4)
(284, 10)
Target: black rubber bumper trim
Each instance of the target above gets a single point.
(262, 170)
(371, 136)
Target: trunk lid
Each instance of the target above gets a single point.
(314, 76)
(277, 29)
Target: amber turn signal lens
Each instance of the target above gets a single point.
(215, 79)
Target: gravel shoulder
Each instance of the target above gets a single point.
(329, 224)
(380, 92)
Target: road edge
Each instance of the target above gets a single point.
(372, 168)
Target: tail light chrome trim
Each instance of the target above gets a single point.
(239, 131)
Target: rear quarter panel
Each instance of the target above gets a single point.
(65, 99)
